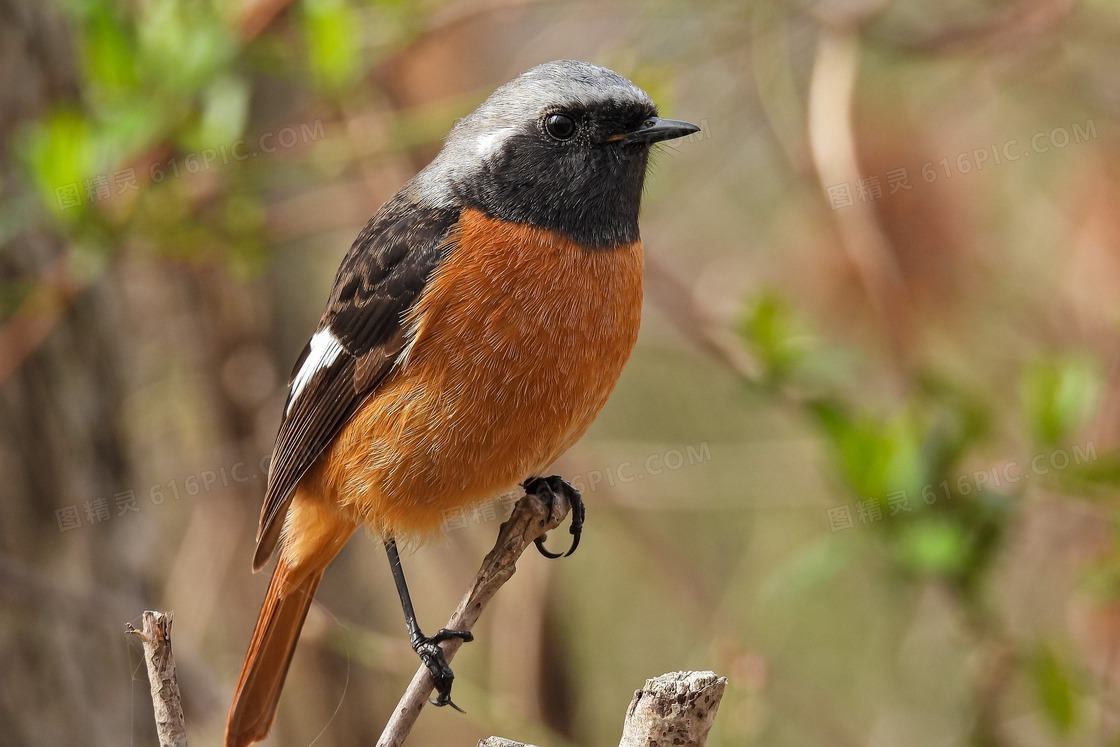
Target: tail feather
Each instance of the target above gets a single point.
(270, 653)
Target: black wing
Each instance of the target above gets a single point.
(357, 343)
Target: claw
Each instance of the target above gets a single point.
(427, 647)
(441, 702)
(548, 489)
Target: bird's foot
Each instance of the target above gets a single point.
(549, 489)
(427, 647)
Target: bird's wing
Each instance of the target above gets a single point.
(358, 342)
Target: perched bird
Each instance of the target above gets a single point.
(474, 331)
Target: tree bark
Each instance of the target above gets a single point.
(673, 710)
(155, 634)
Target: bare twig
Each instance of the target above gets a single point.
(155, 634)
(673, 710)
(501, 742)
(833, 144)
(675, 299)
(529, 520)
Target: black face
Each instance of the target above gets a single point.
(568, 171)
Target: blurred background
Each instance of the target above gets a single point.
(864, 460)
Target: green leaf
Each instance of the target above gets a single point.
(1059, 395)
(108, 50)
(933, 547)
(331, 31)
(225, 110)
(875, 457)
(957, 421)
(60, 155)
(771, 329)
(129, 125)
(183, 45)
(1055, 689)
(1090, 474)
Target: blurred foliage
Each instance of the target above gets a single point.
(331, 30)
(914, 458)
(1059, 397)
(1055, 689)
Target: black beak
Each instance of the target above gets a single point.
(654, 130)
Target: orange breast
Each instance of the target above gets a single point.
(520, 337)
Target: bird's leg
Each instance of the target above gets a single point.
(549, 489)
(426, 646)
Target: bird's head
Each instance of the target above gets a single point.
(564, 146)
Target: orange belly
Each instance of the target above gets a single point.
(520, 338)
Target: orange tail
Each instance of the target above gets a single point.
(270, 653)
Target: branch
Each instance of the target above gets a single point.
(156, 637)
(674, 710)
(832, 141)
(530, 519)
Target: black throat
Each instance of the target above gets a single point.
(592, 198)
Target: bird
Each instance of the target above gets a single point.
(474, 330)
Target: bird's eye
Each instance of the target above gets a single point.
(560, 126)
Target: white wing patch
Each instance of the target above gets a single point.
(325, 349)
